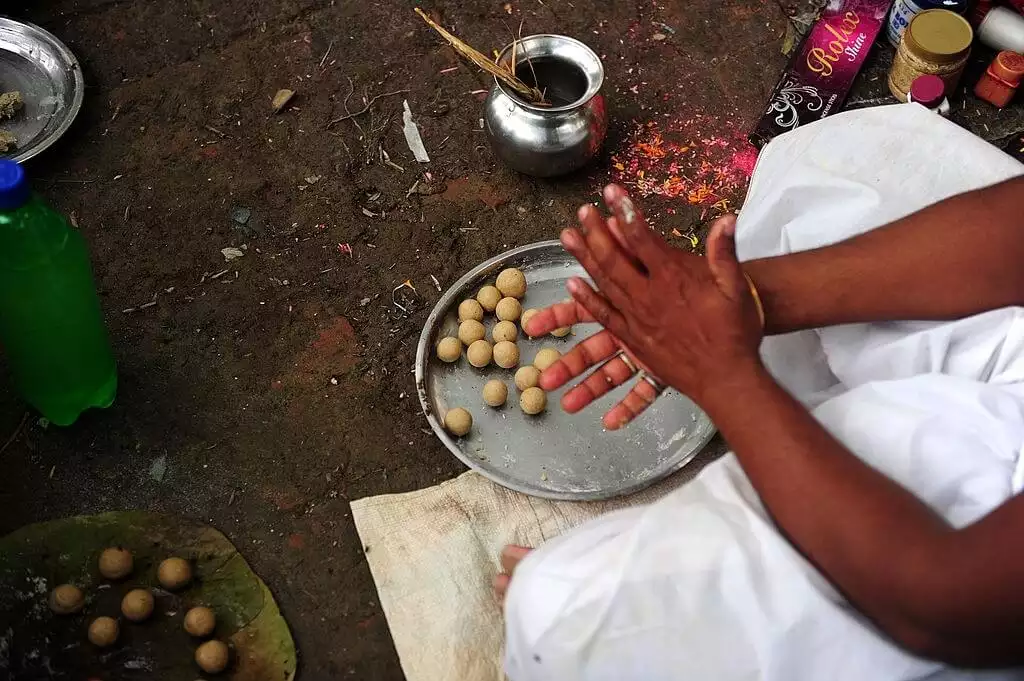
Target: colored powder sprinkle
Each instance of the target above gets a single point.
(705, 160)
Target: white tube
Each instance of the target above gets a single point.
(1002, 29)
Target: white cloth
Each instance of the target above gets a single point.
(700, 585)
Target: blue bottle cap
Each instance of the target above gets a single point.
(14, 189)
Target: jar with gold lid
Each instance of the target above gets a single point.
(938, 43)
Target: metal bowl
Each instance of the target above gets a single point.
(50, 80)
(554, 455)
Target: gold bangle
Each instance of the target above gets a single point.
(757, 299)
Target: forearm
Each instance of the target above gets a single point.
(958, 257)
(898, 562)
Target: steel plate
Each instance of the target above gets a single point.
(554, 455)
(50, 80)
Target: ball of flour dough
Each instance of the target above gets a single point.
(458, 421)
(506, 354)
(200, 621)
(174, 573)
(562, 332)
(512, 282)
(66, 599)
(495, 393)
(470, 309)
(213, 657)
(533, 401)
(527, 377)
(449, 349)
(103, 632)
(526, 317)
(116, 562)
(504, 331)
(470, 331)
(508, 310)
(545, 358)
(479, 354)
(488, 297)
(137, 605)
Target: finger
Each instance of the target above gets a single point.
(616, 230)
(555, 317)
(511, 555)
(500, 584)
(612, 260)
(604, 312)
(636, 401)
(586, 354)
(639, 238)
(721, 255)
(608, 377)
(576, 244)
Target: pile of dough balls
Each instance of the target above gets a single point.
(504, 300)
(174, 574)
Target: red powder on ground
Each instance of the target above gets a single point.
(705, 160)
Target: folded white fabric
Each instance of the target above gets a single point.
(700, 585)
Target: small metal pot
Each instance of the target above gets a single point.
(549, 140)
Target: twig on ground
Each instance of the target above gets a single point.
(365, 108)
(324, 58)
(14, 435)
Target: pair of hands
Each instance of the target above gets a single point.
(689, 321)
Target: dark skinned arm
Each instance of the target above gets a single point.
(951, 595)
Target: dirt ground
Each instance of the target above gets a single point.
(276, 387)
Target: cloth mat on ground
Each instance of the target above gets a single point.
(433, 553)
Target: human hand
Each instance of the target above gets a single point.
(690, 321)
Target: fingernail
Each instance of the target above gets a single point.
(627, 209)
(573, 285)
(568, 238)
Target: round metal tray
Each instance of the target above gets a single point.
(554, 455)
(50, 80)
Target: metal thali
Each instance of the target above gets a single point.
(50, 80)
(554, 455)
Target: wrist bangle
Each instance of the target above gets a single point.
(757, 299)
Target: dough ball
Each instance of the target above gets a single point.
(504, 331)
(449, 349)
(512, 282)
(526, 317)
(471, 309)
(103, 632)
(495, 393)
(458, 421)
(174, 573)
(470, 331)
(479, 354)
(508, 310)
(545, 358)
(506, 354)
(67, 599)
(488, 297)
(116, 563)
(200, 621)
(527, 377)
(213, 657)
(562, 332)
(137, 605)
(533, 401)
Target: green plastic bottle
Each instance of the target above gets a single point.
(51, 326)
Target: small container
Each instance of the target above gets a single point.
(1001, 79)
(1002, 29)
(930, 92)
(545, 141)
(904, 11)
(937, 43)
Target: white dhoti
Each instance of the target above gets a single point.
(701, 585)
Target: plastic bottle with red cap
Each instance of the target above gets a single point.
(930, 92)
(51, 325)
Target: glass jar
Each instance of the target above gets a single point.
(938, 43)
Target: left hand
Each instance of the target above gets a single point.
(691, 322)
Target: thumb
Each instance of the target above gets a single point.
(721, 255)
